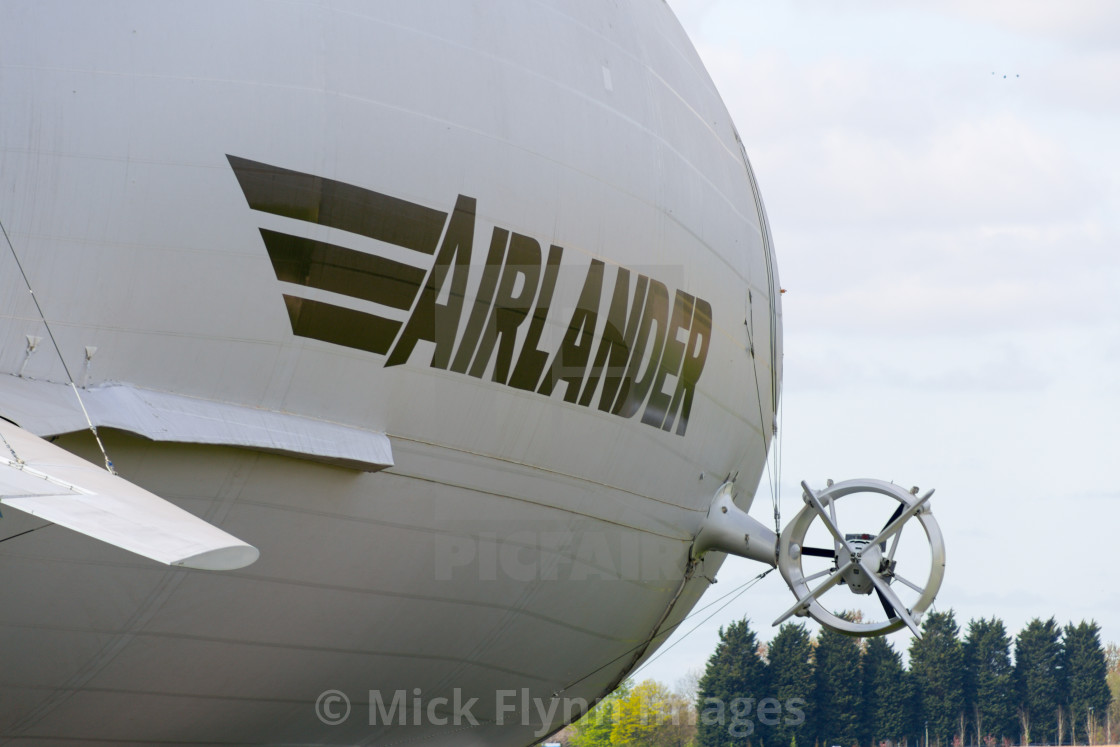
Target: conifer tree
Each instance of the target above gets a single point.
(989, 699)
(937, 665)
(790, 682)
(886, 701)
(1086, 674)
(1038, 680)
(838, 694)
(733, 683)
(914, 724)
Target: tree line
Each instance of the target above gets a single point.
(1048, 685)
(955, 691)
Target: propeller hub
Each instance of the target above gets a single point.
(866, 559)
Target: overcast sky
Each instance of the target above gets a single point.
(942, 185)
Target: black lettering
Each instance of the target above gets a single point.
(510, 310)
(658, 405)
(435, 322)
(635, 388)
(531, 361)
(618, 336)
(570, 361)
(482, 301)
(695, 355)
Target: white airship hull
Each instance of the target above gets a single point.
(526, 537)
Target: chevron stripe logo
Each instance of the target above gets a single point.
(644, 352)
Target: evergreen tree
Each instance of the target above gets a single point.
(1038, 680)
(886, 701)
(915, 726)
(937, 665)
(867, 665)
(838, 694)
(790, 682)
(733, 683)
(1086, 673)
(989, 701)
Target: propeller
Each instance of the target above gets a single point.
(861, 563)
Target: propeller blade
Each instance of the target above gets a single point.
(818, 552)
(826, 518)
(897, 512)
(885, 590)
(896, 524)
(803, 602)
(887, 606)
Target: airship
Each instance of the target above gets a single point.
(378, 372)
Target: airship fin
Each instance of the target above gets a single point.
(46, 481)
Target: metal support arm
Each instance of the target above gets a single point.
(730, 529)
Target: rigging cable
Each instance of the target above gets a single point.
(743, 589)
(737, 591)
(771, 476)
(774, 294)
(54, 342)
